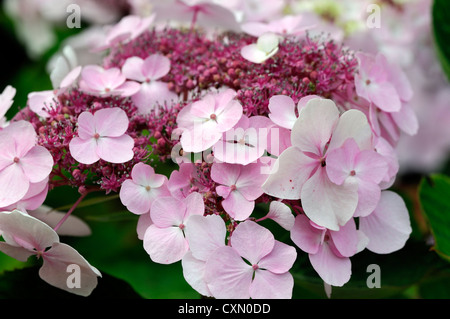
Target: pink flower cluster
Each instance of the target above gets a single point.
(307, 134)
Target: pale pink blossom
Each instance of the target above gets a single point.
(204, 122)
(300, 171)
(164, 240)
(373, 83)
(149, 72)
(33, 199)
(127, 29)
(287, 25)
(329, 251)
(284, 112)
(266, 46)
(26, 236)
(202, 13)
(281, 214)
(388, 227)
(22, 162)
(182, 181)
(102, 136)
(43, 101)
(106, 82)
(205, 234)
(367, 168)
(6, 101)
(264, 275)
(245, 143)
(139, 192)
(239, 186)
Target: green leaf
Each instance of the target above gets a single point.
(434, 195)
(441, 31)
(26, 284)
(399, 271)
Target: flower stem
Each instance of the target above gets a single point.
(70, 211)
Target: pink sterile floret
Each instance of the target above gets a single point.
(25, 236)
(139, 192)
(22, 162)
(164, 239)
(149, 72)
(102, 136)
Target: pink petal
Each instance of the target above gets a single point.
(335, 271)
(406, 119)
(385, 96)
(327, 204)
(167, 212)
(111, 122)
(268, 285)
(388, 227)
(6, 99)
(280, 259)
(229, 116)
(346, 239)
(352, 124)
(227, 275)
(34, 198)
(225, 174)
(194, 272)
(305, 236)
(143, 174)
(116, 149)
(41, 102)
(282, 214)
(84, 151)
(86, 125)
(128, 88)
(24, 135)
(205, 234)
(252, 241)
(194, 205)
(16, 252)
(282, 111)
(14, 185)
(144, 222)
(155, 67)
(165, 245)
(56, 263)
(135, 197)
(368, 197)
(27, 231)
(315, 125)
(37, 164)
(71, 77)
(341, 161)
(289, 173)
(132, 69)
(153, 94)
(237, 206)
(250, 181)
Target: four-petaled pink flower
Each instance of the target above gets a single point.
(139, 192)
(106, 82)
(148, 72)
(164, 240)
(328, 251)
(203, 122)
(367, 168)
(245, 143)
(25, 236)
(255, 265)
(102, 136)
(300, 171)
(239, 186)
(22, 162)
